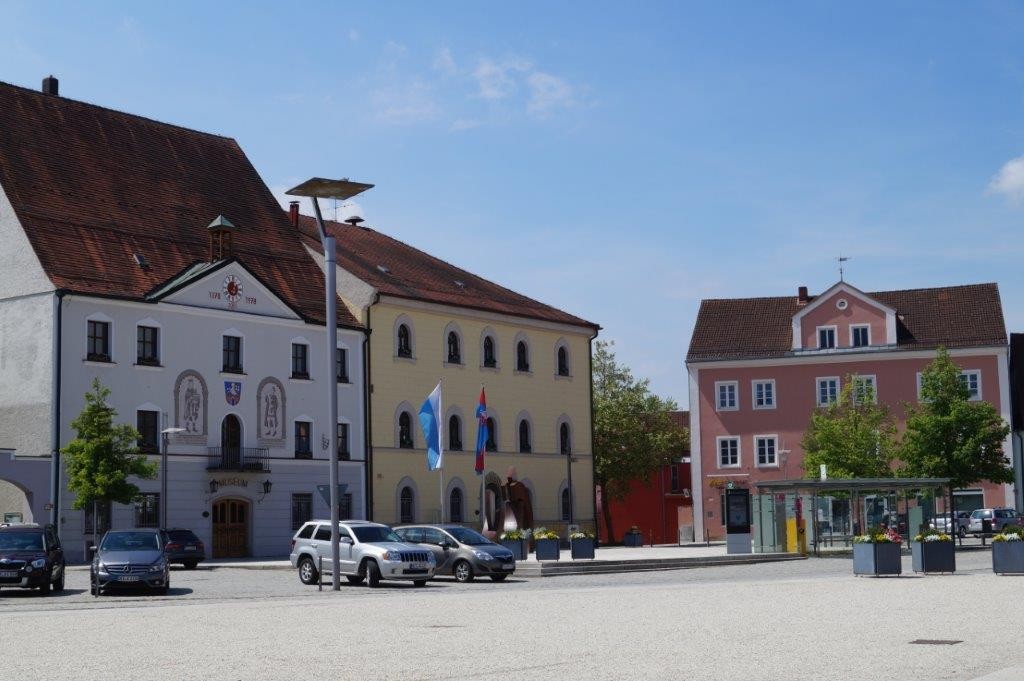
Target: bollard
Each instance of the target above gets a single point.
(320, 573)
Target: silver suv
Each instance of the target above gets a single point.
(369, 551)
(1000, 517)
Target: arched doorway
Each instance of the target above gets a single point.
(15, 506)
(231, 528)
(231, 440)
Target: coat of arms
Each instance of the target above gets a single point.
(232, 392)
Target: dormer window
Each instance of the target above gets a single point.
(220, 238)
(826, 337)
(860, 336)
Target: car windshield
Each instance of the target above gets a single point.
(21, 541)
(130, 541)
(375, 533)
(182, 535)
(464, 535)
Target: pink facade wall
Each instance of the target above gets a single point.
(827, 314)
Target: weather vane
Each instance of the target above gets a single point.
(841, 260)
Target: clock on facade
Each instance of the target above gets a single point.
(232, 288)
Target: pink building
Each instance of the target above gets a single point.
(758, 367)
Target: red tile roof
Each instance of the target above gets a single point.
(416, 275)
(92, 186)
(756, 328)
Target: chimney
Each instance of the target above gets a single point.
(50, 86)
(293, 213)
(801, 295)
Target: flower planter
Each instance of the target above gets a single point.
(516, 546)
(1008, 557)
(877, 559)
(546, 549)
(633, 539)
(933, 556)
(582, 549)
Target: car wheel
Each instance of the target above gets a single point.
(962, 532)
(307, 571)
(190, 565)
(165, 588)
(463, 571)
(355, 579)
(498, 578)
(45, 588)
(94, 588)
(419, 582)
(59, 584)
(372, 574)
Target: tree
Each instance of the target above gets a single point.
(949, 436)
(633, 433)
(103, 456)
(853, 436)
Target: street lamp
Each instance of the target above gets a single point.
(321, 188)
(166, 432)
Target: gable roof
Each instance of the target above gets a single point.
(759, 328)
(415, 275)
(92, 187)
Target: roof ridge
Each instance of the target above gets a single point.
(869, 293)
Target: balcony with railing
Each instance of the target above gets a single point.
(238, 459)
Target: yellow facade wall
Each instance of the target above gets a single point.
(541, 394)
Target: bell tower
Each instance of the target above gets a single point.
(221, 232)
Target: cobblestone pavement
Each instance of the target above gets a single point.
(797, 620)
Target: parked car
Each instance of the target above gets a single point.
(184, 547)
(1000, 517)
(130, 558)
(941, 523)
(369, 551)
(461, 552)
(31, 557)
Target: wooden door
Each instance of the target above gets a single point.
(231, 528)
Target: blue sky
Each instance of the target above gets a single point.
(619, 163)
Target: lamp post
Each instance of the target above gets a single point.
(166, 433)
(320, 188)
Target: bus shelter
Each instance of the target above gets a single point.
(794, 515)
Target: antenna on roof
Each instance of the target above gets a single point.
(841, 260)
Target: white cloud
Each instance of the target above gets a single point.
(444, 62)
(1009, 181)
(498, 80)
(548, 92)
(404, 103)
(464, 124)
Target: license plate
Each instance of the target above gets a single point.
(417, 566)
(127, 578)
(508, 566)
(191, 548)
(8, 574)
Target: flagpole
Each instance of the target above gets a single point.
(440, 444)
(483, 517)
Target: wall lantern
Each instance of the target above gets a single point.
(213, 486)
(266, 490)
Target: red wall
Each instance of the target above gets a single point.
(651, 506)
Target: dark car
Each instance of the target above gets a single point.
(130, 558)
(184, 547)
(461, 552)
(31, 558)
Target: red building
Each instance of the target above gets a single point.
(657, 506)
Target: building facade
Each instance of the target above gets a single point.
(758, 368)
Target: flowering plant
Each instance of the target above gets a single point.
(933, 535)
(544, 533)
(585, 534)
(879, 535)
(1010, 533)
(515, 535)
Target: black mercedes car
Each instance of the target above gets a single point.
(183, 546)
(31, 558)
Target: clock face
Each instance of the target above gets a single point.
(232, 288)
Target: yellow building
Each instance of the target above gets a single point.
(430, 321)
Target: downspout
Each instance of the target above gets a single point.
(368, 411)
(593, 464)
(58, 308)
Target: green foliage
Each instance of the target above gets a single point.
(854, 438)
(948, 436)
(104, 455)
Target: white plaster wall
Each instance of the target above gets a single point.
(20, 271)
(26, 365)
(13, 500)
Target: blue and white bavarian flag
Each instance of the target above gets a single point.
(430, 421)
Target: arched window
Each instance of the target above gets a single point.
(405, 506)
(492, 435)
(564, 440)
(404, 341)
(522, 356)
(454, 433)
(405, 430)
(563, 361)
(524, 436)
(455, 505)
(566, 505)
(490, 360)
(454, 352)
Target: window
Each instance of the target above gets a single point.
(492, 436)
(148, 425)
(302, 510)
(147, 510)
(13, 517)
(345, 508)
(404, 341)
(863, 387)
(728, 452)
(674, 475)
(764, 394)
(826, 337)
(341, 365)
(103, 513)
(454, 351)
(146, 345)
(490, 360)
(767, 446)
(405, 430)
(232, 354)
(99, 342)
(303, 437)
(323, 533)
(828, 391)
(524, 437)
(860, 336)
(522, 356)
(454, 433)
(726, 396)
(563, 361)
(972, 381)
(564, 440)
(300, 360)
(405, 506)
(566, 505)
(455, 505)
(344, 453)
